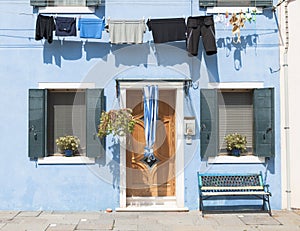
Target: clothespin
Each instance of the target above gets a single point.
(254, 15)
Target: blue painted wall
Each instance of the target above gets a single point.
(25, 62)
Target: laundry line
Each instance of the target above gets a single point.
(150, 2)
(103, 3)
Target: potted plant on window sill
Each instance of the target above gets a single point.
(68, 144)
(236, 143)
(116, 122)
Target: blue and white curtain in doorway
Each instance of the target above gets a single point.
(150, 118)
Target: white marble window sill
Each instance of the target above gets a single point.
(236, 160)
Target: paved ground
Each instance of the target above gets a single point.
(157, 221)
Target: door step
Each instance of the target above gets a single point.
(152, 209)
(151, 204)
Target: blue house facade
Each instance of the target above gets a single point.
(100, 58)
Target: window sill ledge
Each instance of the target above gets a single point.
(66, 160)
(231, 10)
(66, 10)
(236, 160)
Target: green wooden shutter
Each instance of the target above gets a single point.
(264, 139)
(209, 122)
(37, 135)
(38, 2)
(93, 2)
(95, 147)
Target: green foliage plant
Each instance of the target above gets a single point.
(116, 122)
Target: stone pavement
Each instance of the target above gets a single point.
(158, 221)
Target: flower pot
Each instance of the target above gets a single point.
(236, 152)
(68, 153)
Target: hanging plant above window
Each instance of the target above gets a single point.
(116, 122)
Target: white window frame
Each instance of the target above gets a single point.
(251, 159)
(62, 159)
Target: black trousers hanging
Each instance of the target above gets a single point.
(201, 26)
(44, 28)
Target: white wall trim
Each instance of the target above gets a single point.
(66, 160)
(164, 85)
(237, 85)
(67, 9)
(65, 85)
(236, 160)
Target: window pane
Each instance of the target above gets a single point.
(66, 116)
(235, 115)
(70, 120)
(66, 2)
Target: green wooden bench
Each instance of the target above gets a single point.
(233, 185)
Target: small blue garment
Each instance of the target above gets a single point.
(91, 27)
(65, 26)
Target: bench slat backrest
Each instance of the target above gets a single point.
(230, 182)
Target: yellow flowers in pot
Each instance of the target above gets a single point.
(68, 142)
(236, 141)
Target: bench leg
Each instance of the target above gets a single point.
(269, 206)
(201, 205)
(266, 204)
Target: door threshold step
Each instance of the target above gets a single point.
(152, 209)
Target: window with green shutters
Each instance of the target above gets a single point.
(248, 112)
(62, 3)
(54, 113)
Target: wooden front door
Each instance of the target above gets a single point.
(141, 179)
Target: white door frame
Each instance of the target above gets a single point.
(179, 144)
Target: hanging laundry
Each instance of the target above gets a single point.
(237, 23)
(201, 26)
(65, 26)
(126, 31)
(167, 30)
(91, 27)
(44, 28)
